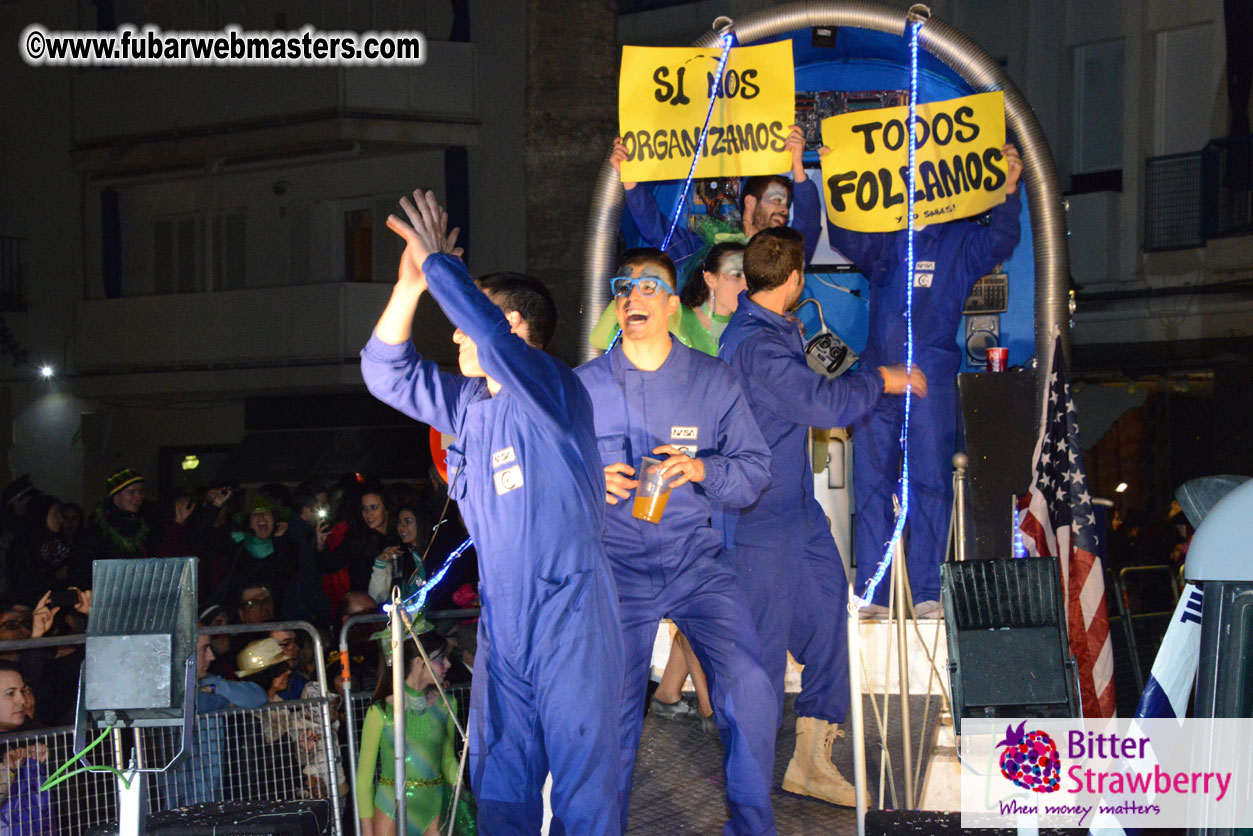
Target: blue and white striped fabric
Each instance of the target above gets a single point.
(1170, 681)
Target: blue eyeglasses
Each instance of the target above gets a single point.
(648, 285)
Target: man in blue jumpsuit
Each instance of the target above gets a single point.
(526, 475)
(654, 396)
(784, 552)
(948, 259)
(764, 203)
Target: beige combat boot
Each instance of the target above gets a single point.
(811, 771)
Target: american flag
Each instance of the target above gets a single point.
(1057, 519)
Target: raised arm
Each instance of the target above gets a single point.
(988, 246)
(539, 381)
(648, 217)
(806, 203)
(393, 371)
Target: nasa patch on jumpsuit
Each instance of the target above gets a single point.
(510, 478)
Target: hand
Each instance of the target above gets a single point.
(40, 752)
(15, 757)
(389, 554)
(41, 618)
(280, 529)
(617, 158)
(218, 496)
(895, 379)
(1013, 163)
(687, 468)
(618, 482)
(84, 600)
(183, 506)
(425, 233)
(795, 144)
(319, 536)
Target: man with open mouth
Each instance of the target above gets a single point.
(653, 396)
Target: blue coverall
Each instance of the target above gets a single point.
(678, 567)
(528, 482)
(653, 225)
(949, 259)
(784, 551)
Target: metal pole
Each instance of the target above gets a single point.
(328, 735)
(902, 662)
(350, 726)
(853, 628)
(132, 798)
(398, 716)
(960, 463)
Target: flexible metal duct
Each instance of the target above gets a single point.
(968, 60)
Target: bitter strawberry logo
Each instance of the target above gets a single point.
(1030, 759)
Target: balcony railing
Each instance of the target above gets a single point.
(1191, 198)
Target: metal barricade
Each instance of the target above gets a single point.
(1144, 623)
(280, 751)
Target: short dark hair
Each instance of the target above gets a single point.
(648, 255)
(756, 186)
(529, 297)
(306, 495)
(696, 292)
(341, 609)
(771, 256)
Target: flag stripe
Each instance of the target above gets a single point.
(1057, 519)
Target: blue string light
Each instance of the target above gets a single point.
(677, 212)
(726, 39)
(886, 561)
(1020, 548)
(416, 601)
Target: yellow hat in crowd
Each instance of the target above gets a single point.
(257, 656)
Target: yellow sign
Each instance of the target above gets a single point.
(959, 168)
(663, 97)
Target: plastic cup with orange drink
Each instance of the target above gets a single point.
(653, 492)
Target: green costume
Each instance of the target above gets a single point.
(430, 761)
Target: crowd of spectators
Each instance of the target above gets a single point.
(315, 552)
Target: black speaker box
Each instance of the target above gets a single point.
(245, 818)
(1007, 647)
(1001, 425)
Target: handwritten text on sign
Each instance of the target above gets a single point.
(664, 94)
(959, 167)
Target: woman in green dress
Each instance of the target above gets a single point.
(713, 292)
(430, 748)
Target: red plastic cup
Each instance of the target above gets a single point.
(998, 359)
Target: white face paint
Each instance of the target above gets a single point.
(771, 210)
(725, 286)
